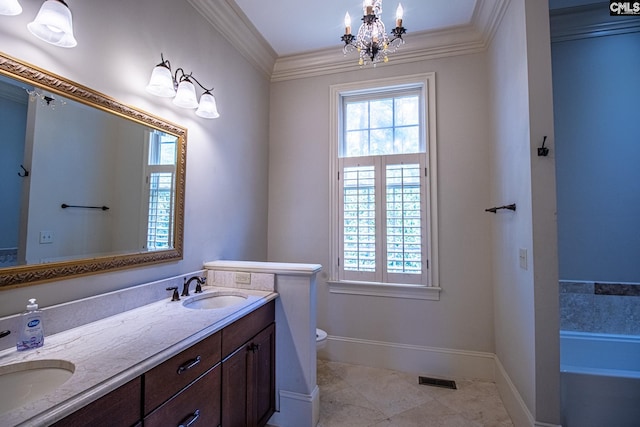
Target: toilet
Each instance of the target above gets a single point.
(321, 339)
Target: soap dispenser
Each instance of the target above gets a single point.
(31, 330)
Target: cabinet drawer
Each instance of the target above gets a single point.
(168, 378)
(121, 408)
(198, 403)
(242, 330)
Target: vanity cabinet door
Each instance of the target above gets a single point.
(262, 376)
(168, 378)
(234, 390)
(119, 408)
(197, 405)
(248, 382)
(245, 328)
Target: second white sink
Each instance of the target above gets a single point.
(216, 299)
(21, 383)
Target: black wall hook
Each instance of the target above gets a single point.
(24, 174)
(543, 151)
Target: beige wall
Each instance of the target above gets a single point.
(299, 207)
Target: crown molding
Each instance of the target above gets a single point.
(430, 44)
(487, 16)
(589, 21)
(233, 24)
(226, 17)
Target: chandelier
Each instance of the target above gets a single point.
(372, 42)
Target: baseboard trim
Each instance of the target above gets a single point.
(511, 398)
(433, 361)
(297, 410)
(513, 402)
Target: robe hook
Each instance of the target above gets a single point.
(23, 174)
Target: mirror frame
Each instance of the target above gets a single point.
(23, 275)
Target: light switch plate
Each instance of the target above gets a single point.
(522, 256)
(46, 237)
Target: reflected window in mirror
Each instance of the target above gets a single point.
(159, 182)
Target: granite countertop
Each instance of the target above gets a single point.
(112, 351)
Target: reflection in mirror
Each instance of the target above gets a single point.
(87, 184)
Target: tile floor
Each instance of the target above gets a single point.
(353, 395)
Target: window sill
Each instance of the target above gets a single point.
(387, 290)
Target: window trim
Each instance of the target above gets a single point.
(148, 170)
(431, 290)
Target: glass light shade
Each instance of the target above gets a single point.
(207, 108)
(161, 82)
(186, 95)
(10, 7)
(53, 24)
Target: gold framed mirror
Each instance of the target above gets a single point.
(100, 185)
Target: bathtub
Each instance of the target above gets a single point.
(599, 380)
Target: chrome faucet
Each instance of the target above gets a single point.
(185, 288)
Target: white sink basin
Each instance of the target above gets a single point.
(216, 299)
(24, 382)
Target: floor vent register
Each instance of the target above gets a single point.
(437, 382)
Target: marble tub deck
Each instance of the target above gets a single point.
(354, 395)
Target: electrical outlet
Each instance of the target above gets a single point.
(46, 237)
(244, 278)
(522, 255)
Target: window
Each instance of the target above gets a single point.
(159, 184)
(383, 215)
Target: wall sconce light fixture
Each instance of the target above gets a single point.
(166, 84)
(53, 23)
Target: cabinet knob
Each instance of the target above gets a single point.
(253, 347)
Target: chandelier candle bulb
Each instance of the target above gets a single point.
(368, 7)
(347, 23)
(399, 13)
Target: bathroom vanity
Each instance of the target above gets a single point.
(227, 378)
(241, 363)
(162, 362)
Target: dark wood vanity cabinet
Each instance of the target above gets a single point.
(227, 379)
(173, 375)
(248, 370)
(198, 404)
(186, 388)
(121, 407)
